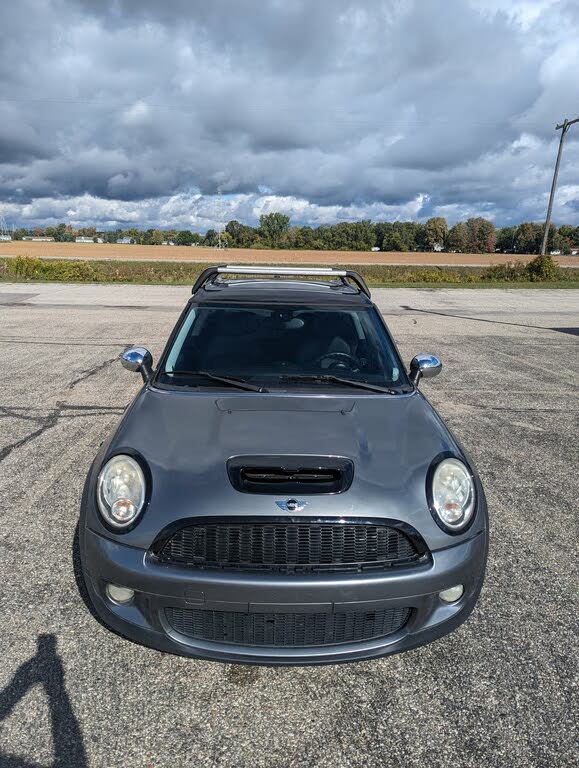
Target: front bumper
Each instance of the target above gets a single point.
(159, 586)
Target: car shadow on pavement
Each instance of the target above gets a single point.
(45, 668)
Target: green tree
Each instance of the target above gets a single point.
(412, 235)
(458, 238)
(567, 238)
(568, 231)
(241, 235)
(380, 230)
(435, 232)
(506, 239)
(529, 237)
(402, 236)
(418, 232)
(348, 236)
(361, 236)
(560, 243)
(113, 235)
(184, 237)
(211, 238)
(542, 269)
(304, 237)
(391, 239)
(290, 239)
(19, 233)
(86, 232)
(395, 242)
(272, 226)
(135, 234)
(62, 233)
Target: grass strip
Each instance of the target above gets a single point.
(536, 274)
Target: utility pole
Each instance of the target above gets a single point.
(564, 127)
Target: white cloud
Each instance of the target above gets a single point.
(144, 111)
(198, 212)
(137, 114)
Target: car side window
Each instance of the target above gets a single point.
(180, 340)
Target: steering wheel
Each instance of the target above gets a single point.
(338, 360)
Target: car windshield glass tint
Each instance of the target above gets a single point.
(269, 345)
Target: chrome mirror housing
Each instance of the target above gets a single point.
(138, 359)
(428, 366)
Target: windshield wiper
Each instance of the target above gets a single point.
(339, 380)
(239, 383)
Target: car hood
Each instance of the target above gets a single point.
(186, 438)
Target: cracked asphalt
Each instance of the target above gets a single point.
(500, 691)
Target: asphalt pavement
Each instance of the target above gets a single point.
(500, 691)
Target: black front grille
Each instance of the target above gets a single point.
(288, 547)
(286, 630)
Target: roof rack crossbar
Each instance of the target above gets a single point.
(344, 274)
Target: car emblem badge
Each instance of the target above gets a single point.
(292, 505)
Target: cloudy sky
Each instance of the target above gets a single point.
(187, 113)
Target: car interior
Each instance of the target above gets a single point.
(252, 341)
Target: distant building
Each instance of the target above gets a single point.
(39, 239)
(5, 238)
(167, 242)
(375, 248)
(438, 247)
(555, 253)
(83, 240)
(124, 241)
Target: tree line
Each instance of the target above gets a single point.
(475, 235)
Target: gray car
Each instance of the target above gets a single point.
(280, 491)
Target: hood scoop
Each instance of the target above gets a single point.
(287, 475)
(279, 404)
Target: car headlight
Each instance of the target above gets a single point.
(121, 491)
(452, 495)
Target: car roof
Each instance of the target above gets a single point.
(279, 289)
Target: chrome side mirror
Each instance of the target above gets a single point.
(424, 365)
(138, 359)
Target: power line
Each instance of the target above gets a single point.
(563, 127)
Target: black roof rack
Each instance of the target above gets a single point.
(344, 274)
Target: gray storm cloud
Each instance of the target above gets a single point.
(188, 113)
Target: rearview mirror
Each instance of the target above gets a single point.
(138, 359)
(424, 365)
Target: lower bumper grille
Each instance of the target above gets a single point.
(286, 630)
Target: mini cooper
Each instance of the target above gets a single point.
(280, 491)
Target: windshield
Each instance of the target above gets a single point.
(281, 346)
